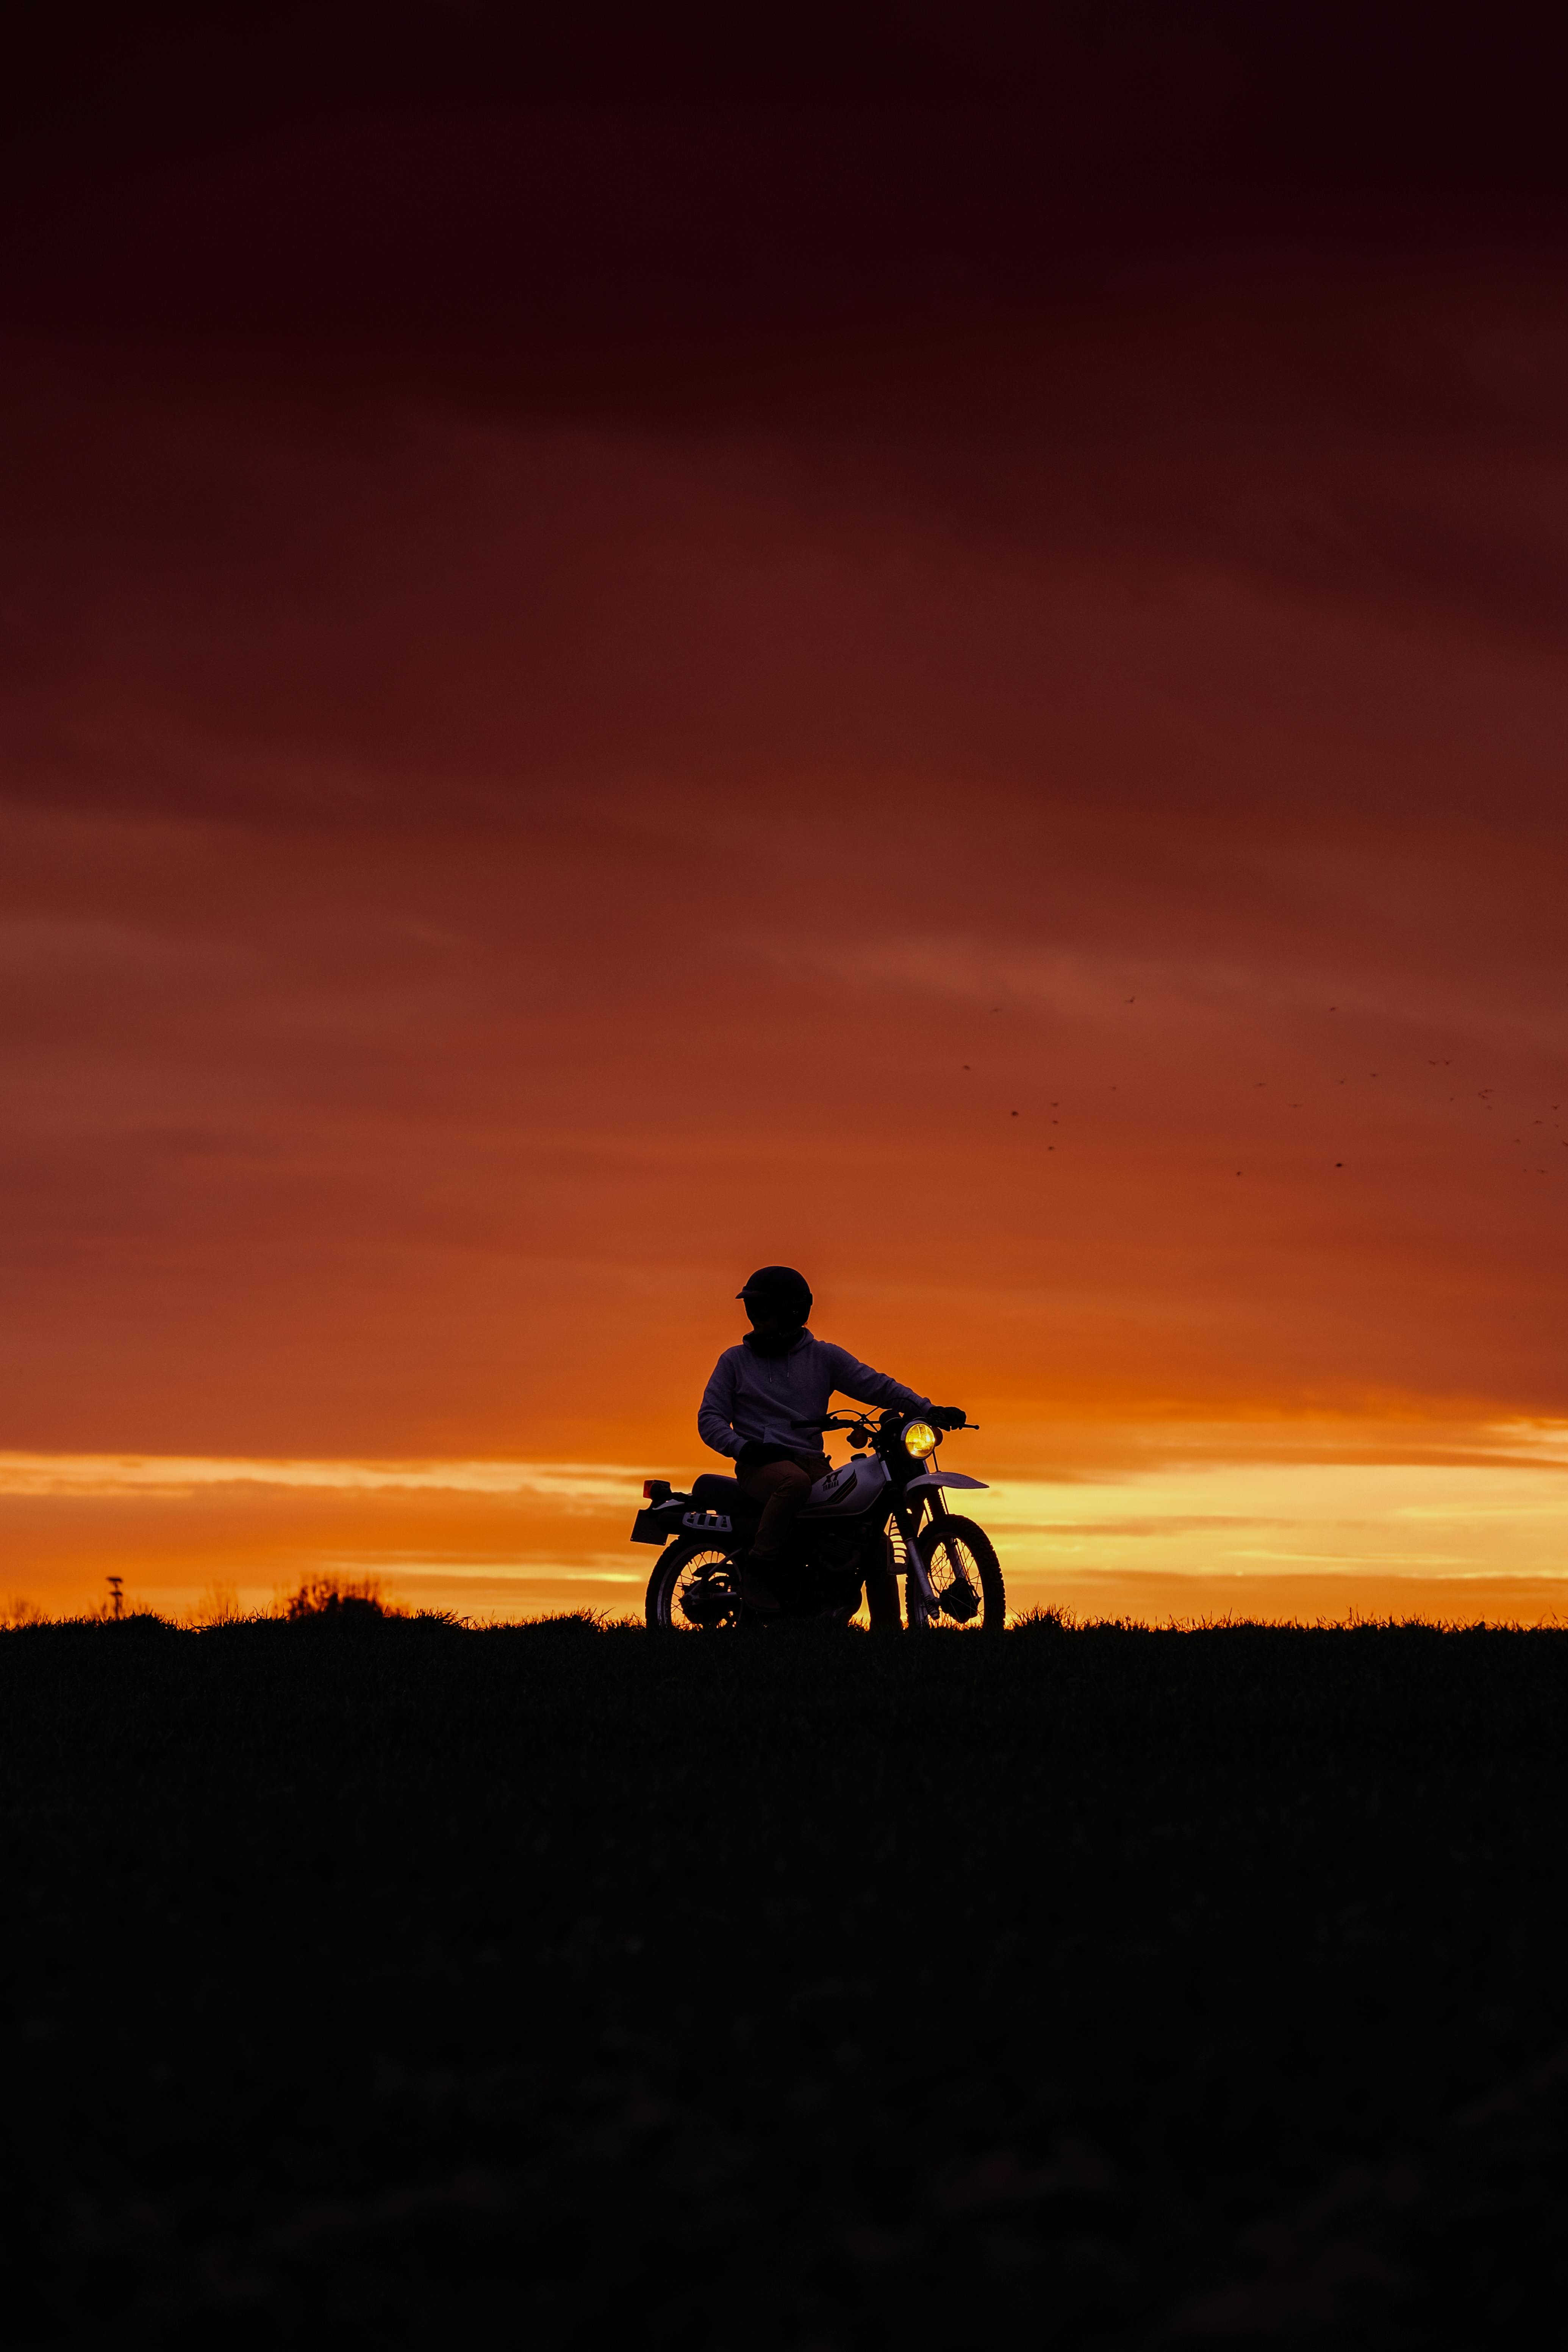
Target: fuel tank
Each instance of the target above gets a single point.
(844, 1494)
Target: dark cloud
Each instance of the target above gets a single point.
(574, 615)
(472, 194)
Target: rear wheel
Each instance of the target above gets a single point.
(965, 1576)
(693, 1589)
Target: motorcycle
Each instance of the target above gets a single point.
(887, 1503)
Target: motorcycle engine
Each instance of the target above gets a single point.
(834, 1550)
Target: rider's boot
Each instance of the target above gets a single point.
(759, 1589)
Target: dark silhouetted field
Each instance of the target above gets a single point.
(388, 1982)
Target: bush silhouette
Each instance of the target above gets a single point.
(340, 1601)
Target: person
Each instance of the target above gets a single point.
(779, 1376)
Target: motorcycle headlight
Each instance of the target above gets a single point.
(920, 1439)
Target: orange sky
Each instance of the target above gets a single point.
(597, 693)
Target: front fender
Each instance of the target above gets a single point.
(943, 1479)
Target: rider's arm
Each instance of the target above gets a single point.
(713, 1422)
(858, 1380)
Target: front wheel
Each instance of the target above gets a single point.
(693, 1589)
(965, 1576)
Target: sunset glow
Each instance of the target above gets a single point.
(1002, 745)
(1456, 1535)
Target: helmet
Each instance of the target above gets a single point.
(777, 1290)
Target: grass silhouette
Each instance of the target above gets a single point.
(368, 1978)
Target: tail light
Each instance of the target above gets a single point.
(654, 1490)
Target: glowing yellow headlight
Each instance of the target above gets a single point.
(920, 1439)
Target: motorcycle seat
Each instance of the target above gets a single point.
(717, 1493)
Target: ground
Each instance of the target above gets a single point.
(380, 1980)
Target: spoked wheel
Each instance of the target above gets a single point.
(694, 1589)
(965, 1576)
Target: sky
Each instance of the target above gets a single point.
(922, 644)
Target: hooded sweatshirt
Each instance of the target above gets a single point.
(762, 1397)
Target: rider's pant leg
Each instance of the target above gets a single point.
(782, 1488)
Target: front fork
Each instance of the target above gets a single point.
(907, 1517)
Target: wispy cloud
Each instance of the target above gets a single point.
(1494, 1513)
(165, 1476)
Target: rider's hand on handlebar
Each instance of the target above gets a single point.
(947, 1416)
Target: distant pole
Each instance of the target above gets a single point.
(116, 1596)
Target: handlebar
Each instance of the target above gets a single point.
(888, 1420)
